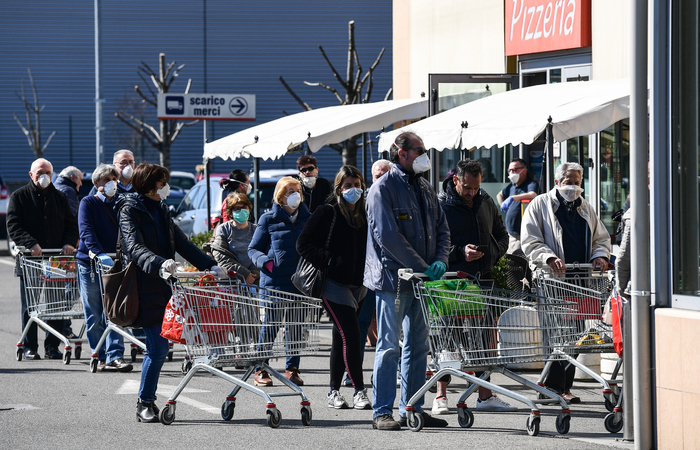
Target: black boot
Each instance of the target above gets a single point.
(146, 412)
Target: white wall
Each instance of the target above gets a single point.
(611, 44)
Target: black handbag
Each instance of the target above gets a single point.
(121, 291)
(310, 280)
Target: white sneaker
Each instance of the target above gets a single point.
(361, 401)
(494, 403)
(337, 401)
(440, 406)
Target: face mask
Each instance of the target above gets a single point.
(44, 181)
(570, 192)
(352, 195)
(164, 191)
(309, 182)
(111, 188)
(294, 200)
(421, 164)
(127, 172)
(514, 178)
(241, 216)
(249, 189)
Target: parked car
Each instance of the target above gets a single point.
(182, 181)
(4, 200)
(191, 214)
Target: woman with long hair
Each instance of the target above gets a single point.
(345, 220)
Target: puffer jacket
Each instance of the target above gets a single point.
(346, 252)
(541, 234)
(68, 187)
(396, 236)
(479, 225)
(275, 240)
(227, 260)
(139, 244)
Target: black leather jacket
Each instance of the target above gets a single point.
(139, 243)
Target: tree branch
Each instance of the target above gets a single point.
(140, 131)
(335, 72)
(48, 141)
(296, 97)
(388, 94)
(327, 87)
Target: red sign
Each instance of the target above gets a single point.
(534, 26)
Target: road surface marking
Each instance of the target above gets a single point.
(131, 387)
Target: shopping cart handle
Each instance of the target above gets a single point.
(44, 251)
(407, 274)
(543, 264)
(183, 274)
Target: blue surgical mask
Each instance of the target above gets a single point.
(352, 195)
(241, 216)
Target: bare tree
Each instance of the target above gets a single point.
(351, 90)
(163, 137)
(33, 129)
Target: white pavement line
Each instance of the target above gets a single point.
(9, 263)
(131, 387)
(17, 406)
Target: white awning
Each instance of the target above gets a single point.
(317, 127)
(577, 109)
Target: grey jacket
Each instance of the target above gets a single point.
(397, 237)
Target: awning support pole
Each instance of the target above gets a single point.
(549, 155)
(206, 177)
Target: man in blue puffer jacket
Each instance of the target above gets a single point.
(273, 250)
(406, 228)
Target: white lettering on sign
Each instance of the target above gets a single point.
(543, 25)
(206, 106)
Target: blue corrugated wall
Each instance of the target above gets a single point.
(248, 46)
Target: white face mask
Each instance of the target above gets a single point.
(352, 195)
(127, 171)
(164, 191)
(44, 181)
(249, 189)
(110, 188)
(309, 182)
(514, 178)
(570, 192)
(294, 200)
(421, 164)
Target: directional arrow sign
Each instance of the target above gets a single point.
(206, 106)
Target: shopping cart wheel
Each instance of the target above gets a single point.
(533, 425)
(563, 423)
(306, 415)
(133, 354)
(186, 366)
(610, 401)
(227, 410)
(66, 357)
(78, 351)
(20, 353)
(167, 415)
(170, 356)
(415, 421)
(611, 425)
(274, 417)
(465, 417)
(93, 365)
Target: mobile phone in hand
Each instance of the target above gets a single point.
(482, 248)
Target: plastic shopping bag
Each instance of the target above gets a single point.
(174, 320)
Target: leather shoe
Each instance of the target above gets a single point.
(30, 354)
(570, 398)
(428, 421)
(52, 353)
(145, 412)
(262, 378)
(293, 375)
(118, 365)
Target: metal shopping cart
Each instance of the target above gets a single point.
(466, 335)
(587, 291)
(223, 326)
(51, 289)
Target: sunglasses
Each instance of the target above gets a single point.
(307, 169)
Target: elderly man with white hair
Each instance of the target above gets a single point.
(559, 228)
(69, 182)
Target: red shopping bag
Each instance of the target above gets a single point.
(174, 320)
(617, 304)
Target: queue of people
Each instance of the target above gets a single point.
(361, 236)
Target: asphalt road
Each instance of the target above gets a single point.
(46, 404)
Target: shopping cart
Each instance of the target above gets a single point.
(466, 336)
(51, 289)
(587, 290)
(222, 327)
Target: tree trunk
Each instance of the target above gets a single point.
(349, 153)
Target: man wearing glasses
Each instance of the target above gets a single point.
(521, 187)
(316, 189)
(123, 161)
(406, 228)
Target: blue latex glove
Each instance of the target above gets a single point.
(105, 260)
(506, 204)
(436, 270)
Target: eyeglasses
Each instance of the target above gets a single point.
(516, 169)
(307, 169)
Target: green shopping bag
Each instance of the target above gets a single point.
(458, 297)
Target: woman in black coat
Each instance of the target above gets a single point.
(150, 239)
(343, 292)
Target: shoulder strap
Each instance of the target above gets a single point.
(109, 214)
(330, 232)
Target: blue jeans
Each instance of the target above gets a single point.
(274, 317)
(95, 322)
(157, 349)
(413, 358)
(364, 320)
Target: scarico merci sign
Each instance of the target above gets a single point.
(534, 26)
(206, 106)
